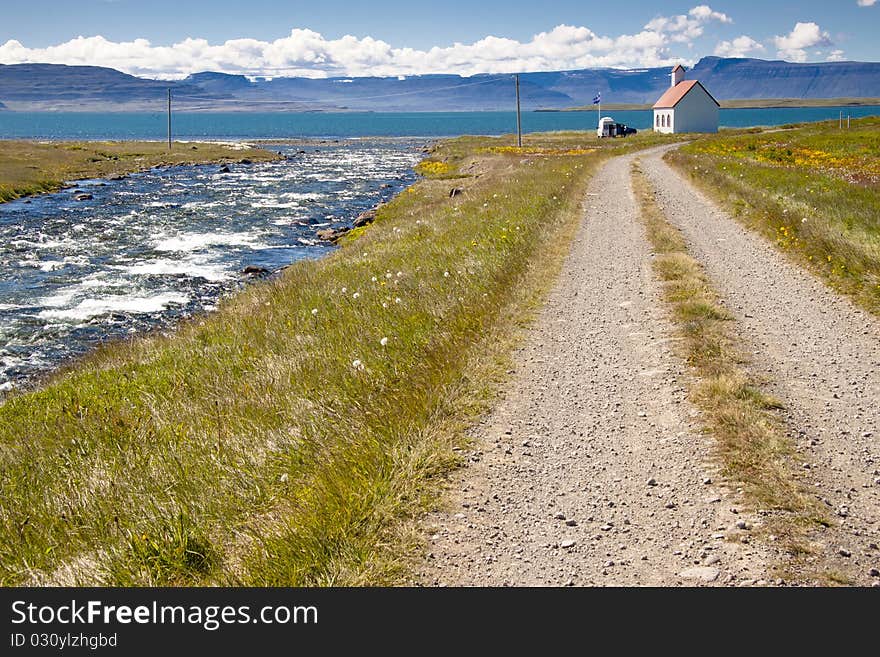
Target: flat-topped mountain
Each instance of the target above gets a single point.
(51, 86)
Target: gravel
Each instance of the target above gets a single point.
(600, 396)
(818, 352)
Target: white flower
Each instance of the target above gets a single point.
(397, 300)
(399, 274)
(388, 275)
(283, 478)
(344, 290)
(446, 274)
(374, 279)
(384, 305)
(314, 311)
(356, 295)
(358, 365)
(383, 341)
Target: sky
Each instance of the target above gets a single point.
(322, 38)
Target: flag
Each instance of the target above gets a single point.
(597, 99)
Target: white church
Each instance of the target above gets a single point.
(685, 107)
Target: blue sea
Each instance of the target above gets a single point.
(247, 125)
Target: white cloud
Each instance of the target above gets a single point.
(866, 3)
(706, 13)
(835, 56)
(741, 46)
(684, 28)
(804, 35)
(308, 53)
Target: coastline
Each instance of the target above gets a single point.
(31, 167)
(745, 103)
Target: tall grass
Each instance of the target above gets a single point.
(813, 191)
(288, 437)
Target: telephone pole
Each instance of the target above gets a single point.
(518, 115)
(169, 119)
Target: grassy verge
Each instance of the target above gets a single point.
(751, 439)
(28, 167)
(289, 437)
(814, 191)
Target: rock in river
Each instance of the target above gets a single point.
(365, 218)
(331, 234)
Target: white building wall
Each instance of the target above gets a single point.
(696, 112)
(669, 127)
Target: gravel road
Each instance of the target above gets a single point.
(819, 354)
(592, 470)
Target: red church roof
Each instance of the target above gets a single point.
(673, 95)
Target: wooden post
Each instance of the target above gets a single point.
(518, 115)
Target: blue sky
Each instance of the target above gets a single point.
(288, 37)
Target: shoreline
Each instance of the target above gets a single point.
(246, 276)
(735, 104)
(30, 167)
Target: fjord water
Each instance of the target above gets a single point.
(166, 243)
(247, 125)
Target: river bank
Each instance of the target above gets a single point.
(112, 258)
(28, 168)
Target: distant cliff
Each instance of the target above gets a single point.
(48, 86)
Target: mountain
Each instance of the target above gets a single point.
(757, 78)
(31, 87)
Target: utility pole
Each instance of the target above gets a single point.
(169, 119)
(518, 115)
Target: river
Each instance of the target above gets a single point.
(160, 245)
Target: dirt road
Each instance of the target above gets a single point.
(592, 471)
(818, 353)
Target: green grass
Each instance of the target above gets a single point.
(814, 191)
(269, 444)
(752, 443)
(28, 167)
